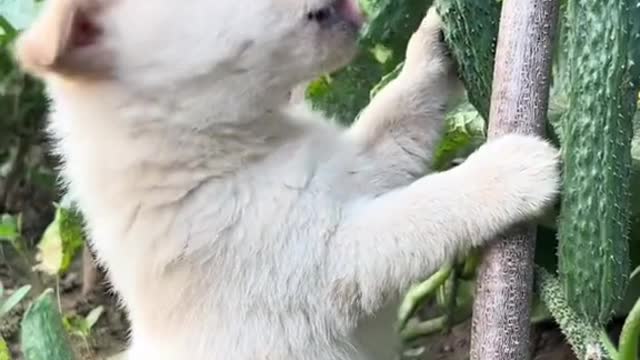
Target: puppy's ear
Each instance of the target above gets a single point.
(65, 38)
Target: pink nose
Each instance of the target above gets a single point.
(350, 11)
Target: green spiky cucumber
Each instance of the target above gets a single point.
(597, 131)
(43, 335)
(471, 32)
(580, 334)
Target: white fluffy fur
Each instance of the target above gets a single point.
(236, 226)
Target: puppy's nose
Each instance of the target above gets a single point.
(350, 11)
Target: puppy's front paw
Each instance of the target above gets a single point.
(520, 171)
(427, 50)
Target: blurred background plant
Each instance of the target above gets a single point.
(43, 314)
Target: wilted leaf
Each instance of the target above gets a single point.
(61, 241)
(14, 299)
(50, 251)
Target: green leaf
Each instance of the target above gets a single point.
(42, 331)
(93, 316)
(465, 131)
(14, 300)
(343, 94)
(4, 350)
(9, 230)
(629, 334)
(8, 31)
(76, 325)
(61, 241)
(81, 326)
(72, 234)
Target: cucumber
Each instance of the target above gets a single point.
(597, 130)
(43, 335)
(471, 32)
(581, 335)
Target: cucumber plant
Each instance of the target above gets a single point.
(594, 222)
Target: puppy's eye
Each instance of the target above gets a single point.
(321, 15)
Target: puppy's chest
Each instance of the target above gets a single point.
(265, 212)
(283, 200)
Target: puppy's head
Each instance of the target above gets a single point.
(168, 42)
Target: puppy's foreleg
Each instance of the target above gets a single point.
(391, 241)
(400, 128)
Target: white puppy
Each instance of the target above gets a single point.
(235, 226)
